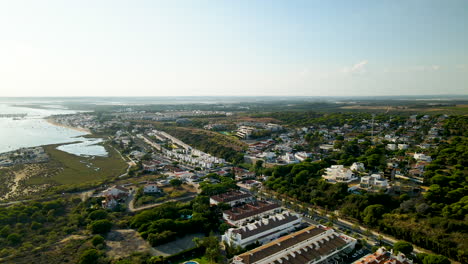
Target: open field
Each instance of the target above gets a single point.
(73, 169)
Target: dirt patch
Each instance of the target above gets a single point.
(123, 242)
(72, 237)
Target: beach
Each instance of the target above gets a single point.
(50, 120)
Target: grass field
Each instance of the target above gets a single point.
(71, 169)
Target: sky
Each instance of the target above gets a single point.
(226, 48)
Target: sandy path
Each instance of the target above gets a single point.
(20, 175)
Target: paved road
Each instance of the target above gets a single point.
(370, 235)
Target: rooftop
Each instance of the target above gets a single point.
(303, 254)
(230, 196)
(249, 210)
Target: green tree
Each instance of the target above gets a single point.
(301, 178)
(403, 247)
(372, 214)
(97, 215)
(212, 247)
(175, 182)
(100, 226)
(435, 259)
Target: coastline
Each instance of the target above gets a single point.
(52, 121)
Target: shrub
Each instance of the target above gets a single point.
(97, 215)
(14, 239)
(90, 256)
(97, 240)
(100, 226)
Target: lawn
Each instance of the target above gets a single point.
(71, 169)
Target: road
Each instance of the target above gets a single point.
(340, 223)
(131, 200)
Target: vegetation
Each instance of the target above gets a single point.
(37, 231)
(70, 169)
(436, 221)
(216, 144)
(171, 220)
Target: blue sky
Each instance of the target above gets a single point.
(243, 47)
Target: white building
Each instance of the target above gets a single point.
(308, 246)
(422, 157)
(244, 132)
(382, 255)
(151, 188)
(357, 166)
(301, 156)
(263, 230)
(391, 146)
(250, 212)
(116, 191)
(403, 146)
(289, 158)
(338, 173)
(374, 181)
(232, 198)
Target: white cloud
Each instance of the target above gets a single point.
(359, 67)
(412, 69)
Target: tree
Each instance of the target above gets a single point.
(90, 256)
(212, 247)
(372, 214)
(403, 247)
(435, 259)
(100, 226)
(175, 182)
(301, 178)
(97, 215)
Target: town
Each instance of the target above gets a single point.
(265, 219)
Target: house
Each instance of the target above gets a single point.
(403, 146)
(109, 202)
(248, 212)
(314, 244)
(263, 230)
(232, 198)
(151, 165)
(289, 158)
(422, 157)
(338, 173)
(374, 181)
(183, 175)
(391, 147)
(357, 166)
(245, 132)
(384, 256)
(151, 188)
(116, 191)
(301, 156)
(242, 173)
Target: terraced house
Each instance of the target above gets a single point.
(311, 245)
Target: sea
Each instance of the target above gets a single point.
(33, 130)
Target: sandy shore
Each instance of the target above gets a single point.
(52, 121)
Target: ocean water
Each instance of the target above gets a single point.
(33, 130)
